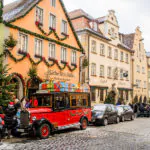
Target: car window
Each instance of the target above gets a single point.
(109, 108)
(113, 108)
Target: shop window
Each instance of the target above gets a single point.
(52, 21)
(64, 27)
(39, 15)
(38, 47)
(52, 48)
(23, 41)
(93, 94)
(101, 95)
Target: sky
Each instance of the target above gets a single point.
(130, 13)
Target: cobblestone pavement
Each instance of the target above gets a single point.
(131, 135)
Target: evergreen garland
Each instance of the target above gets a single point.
(41, 36)
(42, 59)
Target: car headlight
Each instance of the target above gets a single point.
(33, 118)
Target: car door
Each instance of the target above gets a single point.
(114, 113)
(109, 113)
(126, 112)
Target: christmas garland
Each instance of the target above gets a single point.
(67, 16)
(50, 32)
(41, 36)
(42, 59)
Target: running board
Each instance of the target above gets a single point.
(69, 126)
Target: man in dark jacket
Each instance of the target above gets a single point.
(10, 112)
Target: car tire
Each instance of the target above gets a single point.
(117, 120)
(105, 122)
(43, 131)
(84, 124)
(132, 117)
(122, 119)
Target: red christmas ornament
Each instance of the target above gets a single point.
(28, 55)
(37, 23)
(43, 58)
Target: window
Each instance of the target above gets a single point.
(61, 102)
(102, 49)
(127, 58)
(73, 57)
(93, 93)
(95, 26)
(116, 54)
(52, 21)
(38, 47)
(101, 71)
(138, 68)
(64, 27)
(93, 46)
(93, 69)
(127, 95)
(63, 54)
(121, 56)
(109, 52)
(109, 72)
(145, 86)
(143, 70)
(52, 48)
(121, 73)
(44, 101)
(23, 40)
(101, 95)
(53, 3)
(39, 15)
(138, 83)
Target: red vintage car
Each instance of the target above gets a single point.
(55, 111)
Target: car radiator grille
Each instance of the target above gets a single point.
(24, 119)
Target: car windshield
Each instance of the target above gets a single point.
(101, 108)
(120, 109)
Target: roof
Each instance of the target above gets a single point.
(101, 19)
(128, 39)
(121, 45)
(79, 13)
(18, 8)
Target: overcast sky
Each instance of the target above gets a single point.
(130, 13)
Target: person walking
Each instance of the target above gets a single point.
(1, 130)
(10, 112)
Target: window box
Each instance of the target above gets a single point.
(109, 57)
(75, 65)
(51, 59)
(22, 52)
(65, 34)
(109, 77)
(38, 23)
(94, 75)
(101, 76)
(37, 56)
(52, 28)
(64, 62)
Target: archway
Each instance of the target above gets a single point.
(141, 100)
(136, 99)
(145, 99)
(19, 88)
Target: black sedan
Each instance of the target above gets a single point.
(104, 114)
(127, 113)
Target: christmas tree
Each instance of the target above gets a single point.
(110, 99)
(6, 88)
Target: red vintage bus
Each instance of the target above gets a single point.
(56, 111)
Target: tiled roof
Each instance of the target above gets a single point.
(79, 13)
(17, 9)
(128, 39)
(121, 45)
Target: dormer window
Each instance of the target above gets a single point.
(94, 25)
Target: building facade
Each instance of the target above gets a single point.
(148, 73)
(109, 59)
(139, 63)
(46, 40)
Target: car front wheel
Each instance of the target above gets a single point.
(132, 117)
(43, 131)
(122, 119)
(105, 122)
(84, 124)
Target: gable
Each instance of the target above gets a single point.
(28, 15)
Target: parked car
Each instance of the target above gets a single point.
(128, 113)
(120, 111)
(104, 114)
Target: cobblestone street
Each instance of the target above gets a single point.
(133, 135)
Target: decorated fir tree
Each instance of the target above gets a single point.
(110, 99)
(6, 88)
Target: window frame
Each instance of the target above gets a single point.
(93, 69)
(52, 50)
(62, 27)
(93, 46)
(53, 3)
(41, 9)
(102, 71)
(109, 72)
(50, 23)
(102, 49)
(62, 52)
(37, 39)
(73, 57)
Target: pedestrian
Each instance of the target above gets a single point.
(28, 104)
(135, 109)
(23, 102)
(17, 103)
(10, 112)
(1, 129)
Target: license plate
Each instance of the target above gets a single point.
(20, 130)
